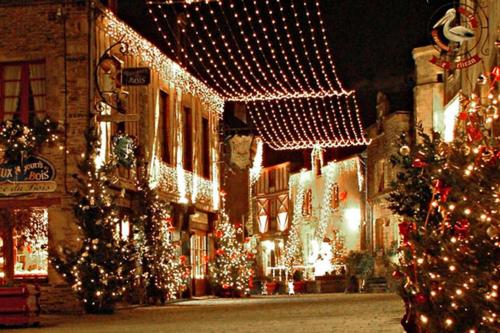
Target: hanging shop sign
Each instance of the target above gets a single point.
(240, 146)
(34, 175)
(460, 34)
(137, 76)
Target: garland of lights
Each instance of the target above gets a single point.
(256, 169)
(332, 171)
(293, 243)
(294, 104)
(19, 141)
(168, 70)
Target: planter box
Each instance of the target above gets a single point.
(299, 287)
(271, 287)
(19, 306)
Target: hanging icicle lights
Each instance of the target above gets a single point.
(266, 55)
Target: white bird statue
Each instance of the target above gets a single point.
(457, 34)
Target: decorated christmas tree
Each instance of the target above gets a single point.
(231, 270)
(448, 197)
(163, 270)
(99, 269)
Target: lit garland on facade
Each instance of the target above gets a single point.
(293, 243)
(168, 69)
(256, 168)
(173, 180)
(278, 66)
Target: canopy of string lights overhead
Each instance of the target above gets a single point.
(272, 55)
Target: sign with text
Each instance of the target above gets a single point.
(34, 175)
(136, 76)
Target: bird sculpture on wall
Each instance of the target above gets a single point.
(458, 34)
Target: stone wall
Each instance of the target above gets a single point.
(58, 35)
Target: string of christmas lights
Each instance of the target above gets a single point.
(168, 69)
(271, 58)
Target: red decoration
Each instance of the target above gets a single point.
(474, 133)
(418, 163)
(182, 259)
(461, 228)
(225, 286)
(462, 116)
(171, 228)
(246, 240)
(420, 298)
(342, 195)
(443, 191)
(168, 220)
(495, 74)
(250, 255)
(219, 234)
(405, 228)
(397, 274)
(219, 252)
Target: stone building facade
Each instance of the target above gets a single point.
(328, 207)
(48, 57)
(384, 135)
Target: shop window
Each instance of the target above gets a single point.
(307, 204)
(198, 253)
(163, 135)
(188, 140)
(31, 243)
(22, 91)
(205, 148)
(334, 204)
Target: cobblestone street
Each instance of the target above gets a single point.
(343, 313)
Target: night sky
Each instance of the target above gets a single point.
(371, 41)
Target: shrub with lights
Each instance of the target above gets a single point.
(448, 196)
(164, 272)
(231, 271)
(99, 269)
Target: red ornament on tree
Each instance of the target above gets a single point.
(219, 252)
(219, 234)
(418, 163)
(182, 259)
(342, 195)
(225, 286)
(420, 298)
(405, 228)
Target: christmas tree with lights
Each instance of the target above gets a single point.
(448, 196)
(231, 270)
(163, 270)
(99, 269)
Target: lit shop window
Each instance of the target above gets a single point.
(30, 243)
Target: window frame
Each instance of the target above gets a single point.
(25, 114)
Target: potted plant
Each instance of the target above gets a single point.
(271, 285)
(360, 265)
(299, 285)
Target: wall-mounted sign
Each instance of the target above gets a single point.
(460, 34)
(35, 175)
(136, 76)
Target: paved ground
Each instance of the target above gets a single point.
(339, 313)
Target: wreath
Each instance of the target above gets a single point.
(18, 141)
(124, 147)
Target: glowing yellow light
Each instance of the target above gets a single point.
(424, 319)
